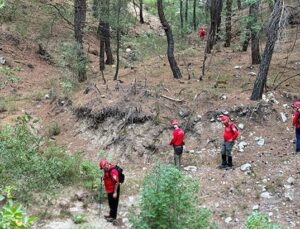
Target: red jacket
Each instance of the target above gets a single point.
(178, 137)
(202, 33)
(110, 178)
(230, 133)
(295, 120)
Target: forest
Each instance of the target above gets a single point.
(89, 84)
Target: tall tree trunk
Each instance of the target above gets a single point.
(79, 23)
(109, 56)
(181, 15)
(218, 18)
(170, 52)
(272, 34)
(141, 12)
(194, 15)
(186, 10)
(101, 29)
(215, 20)
(118, 39)
(228, 23)
(247, 39)
(239, 5)
(253, 12)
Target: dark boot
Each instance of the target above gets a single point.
(224, 163)
(229, 161)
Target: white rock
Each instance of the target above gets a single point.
(2, 60)
(125, 220)
(228, 220)
(242, 145)
(241, 126)
(47, 96)
(197, 118)
(260, 141)
(190, 168)
(291, 180)
(285, 106)
(128, 50)
(266, 195)
(246, 167)
(191, 151)
(212, 120)
(270, 214)
(251, 73)
(283, 117)
(255, 207)
(237, 67)
(223, 97)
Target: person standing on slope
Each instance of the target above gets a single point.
(177, 142)
(296, 124)
(230, 135)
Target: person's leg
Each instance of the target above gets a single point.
(297, 140)
(229, 147)
(223, 155)
(115, 202)
(110, 203)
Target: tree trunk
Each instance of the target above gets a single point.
(228, 23)
(218, 18)
(272, 34)
(141, 12)
(118, 40)
(194, 15)
(247, 40)
(239, 5)
(109, 56)
(168, 31)
(186, 10)
(253, 12)
(79, 23)
(181, 15)
(215, 20)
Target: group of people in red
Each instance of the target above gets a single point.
(111, 176)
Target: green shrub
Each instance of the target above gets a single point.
(24, 166)
(77, 219)
(13, 215)
(169, 201)
(53, 129)
(259, 221)
(91, 175)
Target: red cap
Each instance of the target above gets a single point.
(224, 118)
(296, 104)
(102, 163)
(174, 122)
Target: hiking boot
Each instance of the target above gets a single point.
(110, 219)
(229, 161)
(107, 216)
(224, 163)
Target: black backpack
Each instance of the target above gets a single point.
(120, 172)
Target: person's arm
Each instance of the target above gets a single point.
(295, 118)
(235, 133)
(173, 139)
(116, 179)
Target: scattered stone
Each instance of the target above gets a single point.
(246, 167)
(81, 195)
(223, 97)
(197, 118)
(251, 73)
(191, 151)
(228, 220)
(103, 96)
(291, 180)
(270, 214)
(255, 207)
(266, 195)
(237, 67)
(184, 113)
(2, 60)
(125, 220)
(190, 168)
(283, 117)
(212, 120)
(47, 96)
(128, 50)
(64, 204)
(241, 126)
(260, 141)
(286, 106)
(242, 145)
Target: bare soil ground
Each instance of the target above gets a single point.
(138, 145)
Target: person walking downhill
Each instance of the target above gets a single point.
(230, 135)
(177, 142)
(112, 188)
(296, 124)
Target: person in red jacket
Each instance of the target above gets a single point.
(112, 188)
(202, 33)
(177, 143)
(296, 124)
(230, 135)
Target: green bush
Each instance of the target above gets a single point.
(25, 166)
(259, 221)
(169, 201)
(13, 215)
(91, 175)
